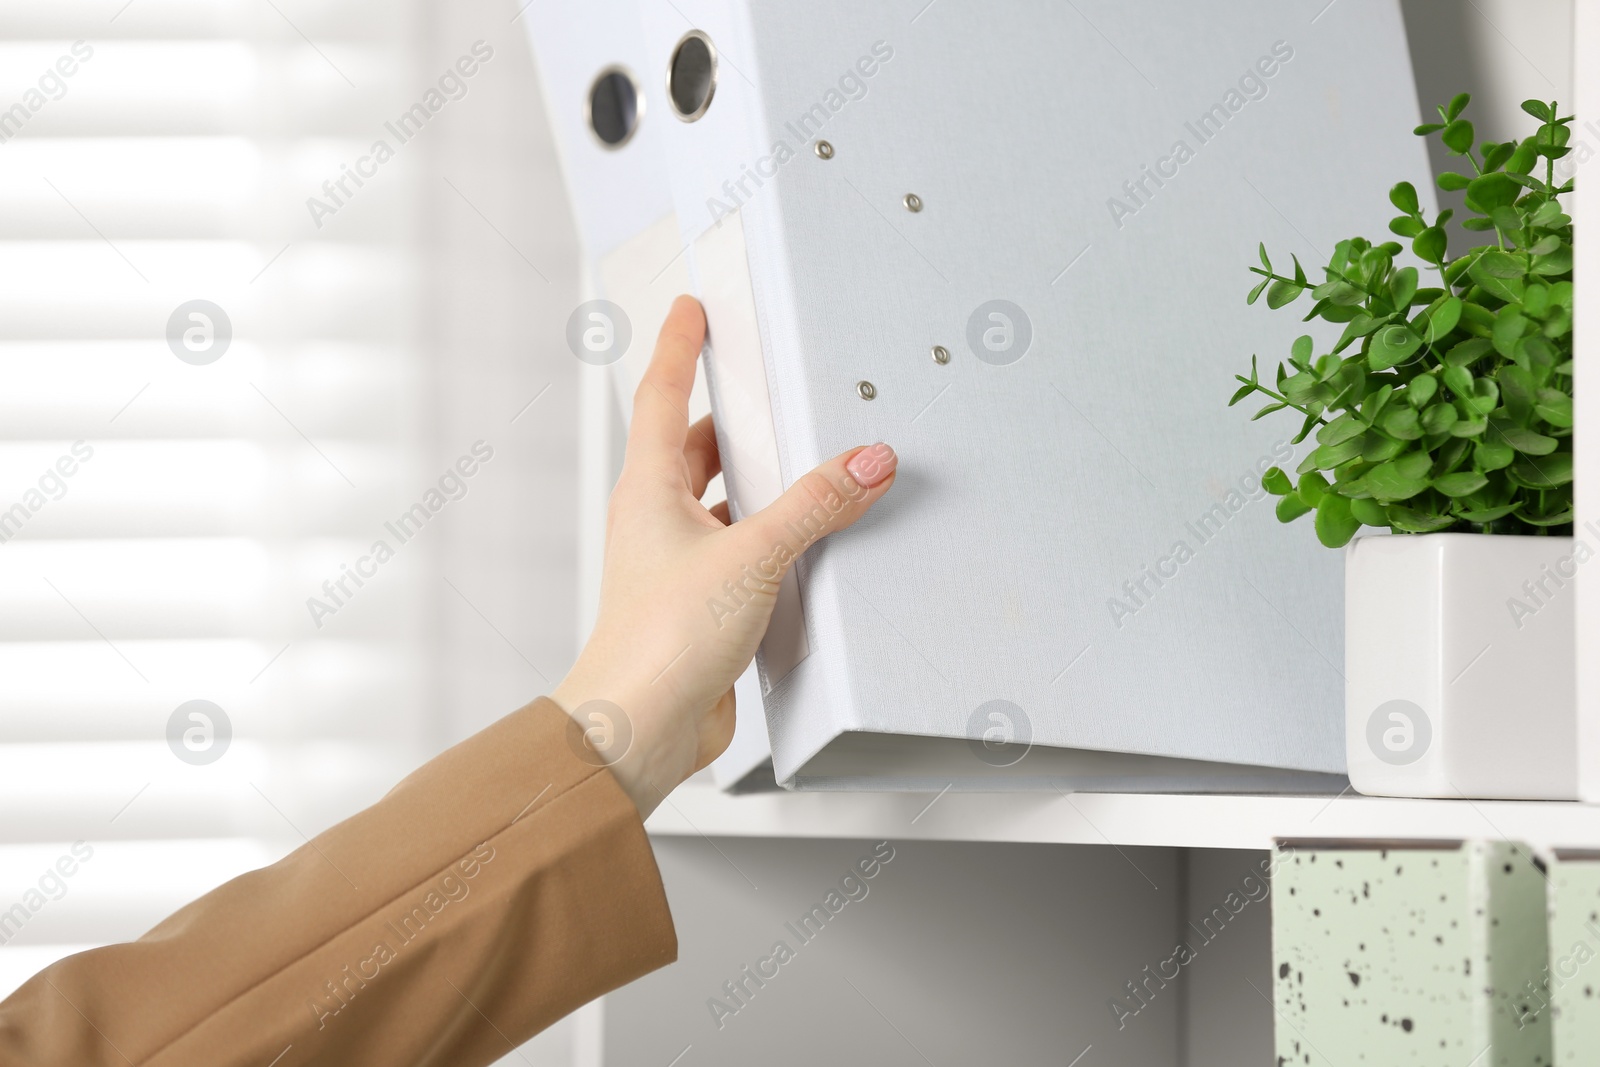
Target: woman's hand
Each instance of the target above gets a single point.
(686, 597)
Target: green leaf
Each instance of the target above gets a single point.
(1402, 422)
(1457, 105)
(1404, 197)
(1282, 293)
(1473, 348)
(1494, 271)
(1430, 244)
(1256, 292)
(1495, 155)
(1331, 456)
(1276, 482)
(1335, 524)
(1421, 390)
(1350, 484)
(1540, 354)
(1554, 407)
(1290, 508)
(1414, 464)
(1406, 226)
(1523, 159)
(1312, 420)
(1490, 191)
(1402, 287)
(1359, 326)
(1391, 346)
(1442, 319)
(1458, 136)
(1332, 312)
(1497, 264)
(1509, 326)
(1261, 247)
(1546, 472)
(1547, 214)
(1380, 447)
(1485, 396)
(1450, 181)
(1342, 429)
(1300, 351)
(1518, 392)
(1550, 136)
(1389, 481)
(1492, 455)
(1369, 512)
(1458, 266)
(1268, 410)
(1301, 388)
(1340, 292)
(1427, 128)
(1557, 262)
(1439, 419)
(1373, 405)
(1463, 484)
(1311, 487)
(1505, 219)
(1409, 520)
(1449, 455)
(1536, 299)
(1538, 109)
(1521, 438)
(1469, 427)
(1459, 380)
(1560, 518)
(1482, 515)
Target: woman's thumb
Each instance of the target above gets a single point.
(827, 499)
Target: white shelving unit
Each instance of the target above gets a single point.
(1181, 821)
(950, 941)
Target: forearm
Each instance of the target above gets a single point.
(499, 887)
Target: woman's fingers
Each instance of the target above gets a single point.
(827, 499)
(661, 404)
(701, 456)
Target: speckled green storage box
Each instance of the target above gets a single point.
(1574, 978)
(1419, 954)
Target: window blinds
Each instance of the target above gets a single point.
(153, 153)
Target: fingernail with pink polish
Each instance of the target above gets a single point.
(872, 464)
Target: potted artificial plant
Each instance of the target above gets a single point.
(1442, 413)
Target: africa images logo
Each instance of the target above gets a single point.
(1399, 732)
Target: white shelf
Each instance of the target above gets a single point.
(1120, 819)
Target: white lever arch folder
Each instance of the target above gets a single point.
(1011, 240)
(632, 256)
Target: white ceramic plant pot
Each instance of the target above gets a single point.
(1459, 664)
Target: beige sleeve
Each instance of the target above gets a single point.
(496, 889)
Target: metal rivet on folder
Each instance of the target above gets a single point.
(824, 150)
(866, 390)
(913, 202)
(941, 355)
